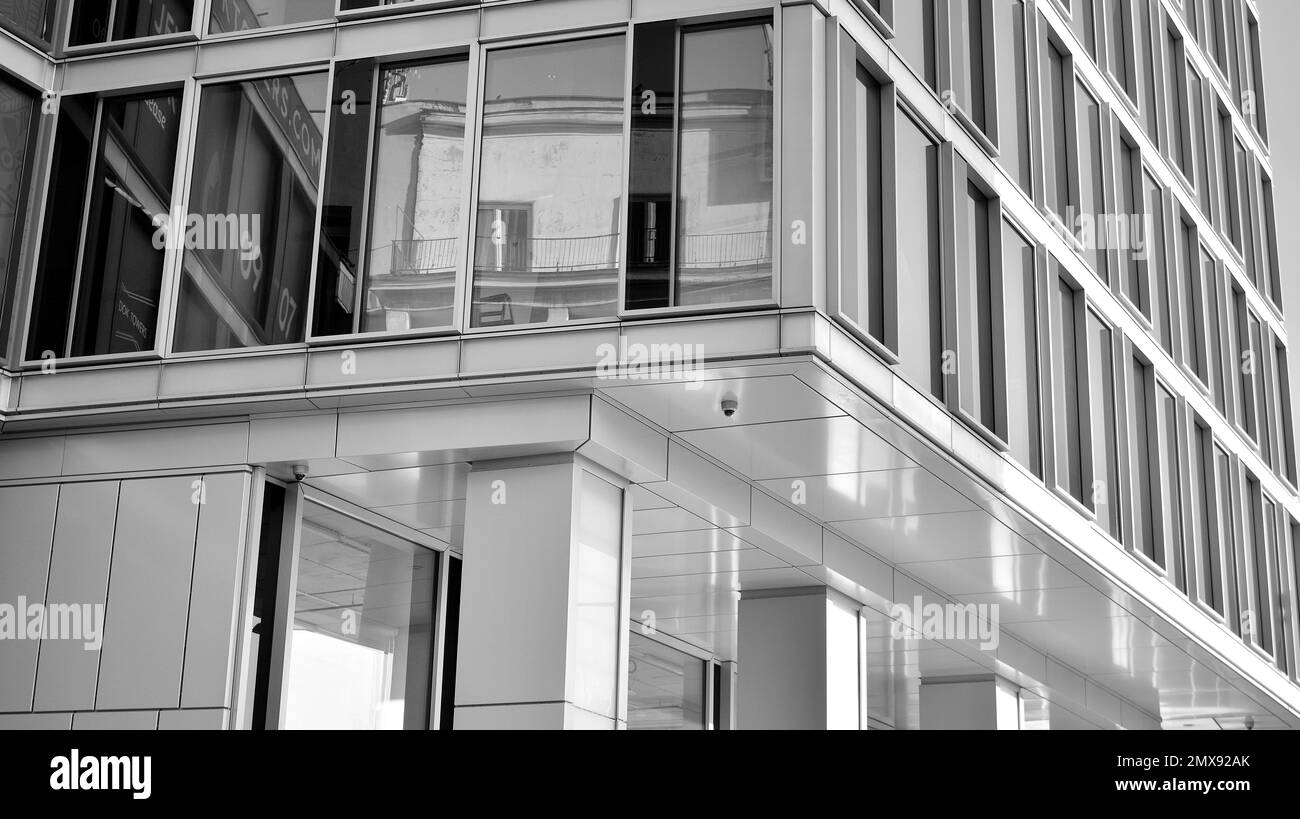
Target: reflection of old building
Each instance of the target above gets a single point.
(557, 363)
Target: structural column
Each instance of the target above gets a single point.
(981, 703)
(544, 597)
(800, 660)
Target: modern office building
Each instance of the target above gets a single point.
(642, 364)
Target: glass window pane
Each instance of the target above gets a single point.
(1013, 90)
(919, 293)
(1170, 510)
(1105, 488)
(665, 687)
(242, 15)
(1133, 252)
(361, 653)
(1070, 470)
(414, 243)
(257, 167)
(914, 30)
(1157, 261)
(1210, 579)
(102, 21)
(343, 206)
(975, 368)
(547, 236)
(1121, 43)
(724, 246)
(18, 112)
(1145, 465)
(1056, 145)
(968, 57)
(29, 18)
(862, 283)
(1092, 209)
(130, 189)
(651, 212)
(1024, 434)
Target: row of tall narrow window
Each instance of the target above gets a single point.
(939, 278)
(986, 81)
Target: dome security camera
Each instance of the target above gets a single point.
(730, 406)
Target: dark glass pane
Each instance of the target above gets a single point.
(122, 266)
(56, 272)
(343, 213)
(100, 21)
(18, 111)
(653, 170)
(29, 18)
(919, 292)
(253, 197)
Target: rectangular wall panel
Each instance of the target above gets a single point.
(148, 594)
(27, 516)
(214, 598)
(83, 546)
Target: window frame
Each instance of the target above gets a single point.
(63, 23)
(957, 177)
(169, 277)
(777, 243)
(472, 107)
(852, 59)
(190, 139)
(1058, 396)
(29, 210)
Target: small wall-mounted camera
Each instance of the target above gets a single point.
(299, 472)
(730, 406)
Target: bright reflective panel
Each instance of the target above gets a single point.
(547, 238)
(665, 687)
(361, 654)
(414, 244)
(724, 243)
(247, 235)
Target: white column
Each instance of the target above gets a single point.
(984, 703)
(799, 657)
(544, 597)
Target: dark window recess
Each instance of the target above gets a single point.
(102, 21)
(650, 231)
(264, 594)
(343, 213)
(18, 118)
(451, 634)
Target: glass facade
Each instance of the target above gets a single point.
(639, 171)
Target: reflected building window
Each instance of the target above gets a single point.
(361, 652)
(107, 21)
(18, 118)
(700, 201)
(415, 176)
(546, 240)
(245, 274)
(100, 295)
(665, 687)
